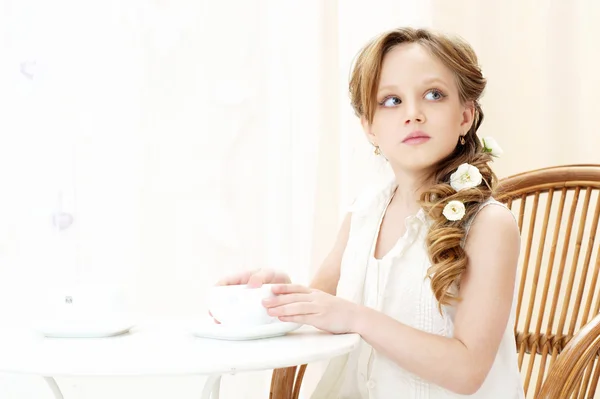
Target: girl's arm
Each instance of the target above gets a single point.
(460, 363)
(328, 275)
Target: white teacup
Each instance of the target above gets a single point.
(240, 305)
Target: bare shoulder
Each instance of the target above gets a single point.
(494, 216)
(493, 232)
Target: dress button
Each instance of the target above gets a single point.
(370, 384)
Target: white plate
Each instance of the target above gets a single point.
(210, 329)
(83, 329)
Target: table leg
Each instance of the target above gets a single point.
(212, 386)
(54, 387)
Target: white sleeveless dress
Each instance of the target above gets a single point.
(396, 285)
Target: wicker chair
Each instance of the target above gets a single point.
(559, 292)
(558, 323)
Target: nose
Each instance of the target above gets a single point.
(414, 114)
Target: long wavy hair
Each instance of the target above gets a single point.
(445, 238)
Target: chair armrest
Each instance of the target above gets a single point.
(566, 373)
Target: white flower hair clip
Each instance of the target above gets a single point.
(491, 146)
(466, 176)
(454, 210)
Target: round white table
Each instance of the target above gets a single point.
(162, 352)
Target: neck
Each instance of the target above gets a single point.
(409, 188)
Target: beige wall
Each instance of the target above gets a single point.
(541, 59)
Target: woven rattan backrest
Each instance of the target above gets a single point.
(557, 210)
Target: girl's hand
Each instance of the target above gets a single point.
(254, 278)
(300, 304)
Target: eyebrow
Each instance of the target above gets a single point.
(435, 80)
(425, 82)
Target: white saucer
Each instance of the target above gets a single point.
(83, 329)
(210, 329)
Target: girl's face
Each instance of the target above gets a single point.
(419, 116)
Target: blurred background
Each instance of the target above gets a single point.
(190, 139)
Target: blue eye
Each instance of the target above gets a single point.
(434, 95)
(391, 102)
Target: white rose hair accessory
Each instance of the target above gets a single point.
(454, 210)
(491, 146)
(466, 176)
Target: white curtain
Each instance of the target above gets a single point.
(71, 142)
(191, 139)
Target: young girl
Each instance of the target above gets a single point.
(423, 269)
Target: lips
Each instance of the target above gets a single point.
(416, 137)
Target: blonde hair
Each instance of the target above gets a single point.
(445, 238)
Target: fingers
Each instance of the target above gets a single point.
(255, 278)
(263, 276)
(237, 279)
(213, 317)
(291, 289)
(268, 276)
(281, 300)
(293, 309)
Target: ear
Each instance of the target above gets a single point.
(468, 116)
(367, 129)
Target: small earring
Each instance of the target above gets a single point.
(377, 151)
(462, 140)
